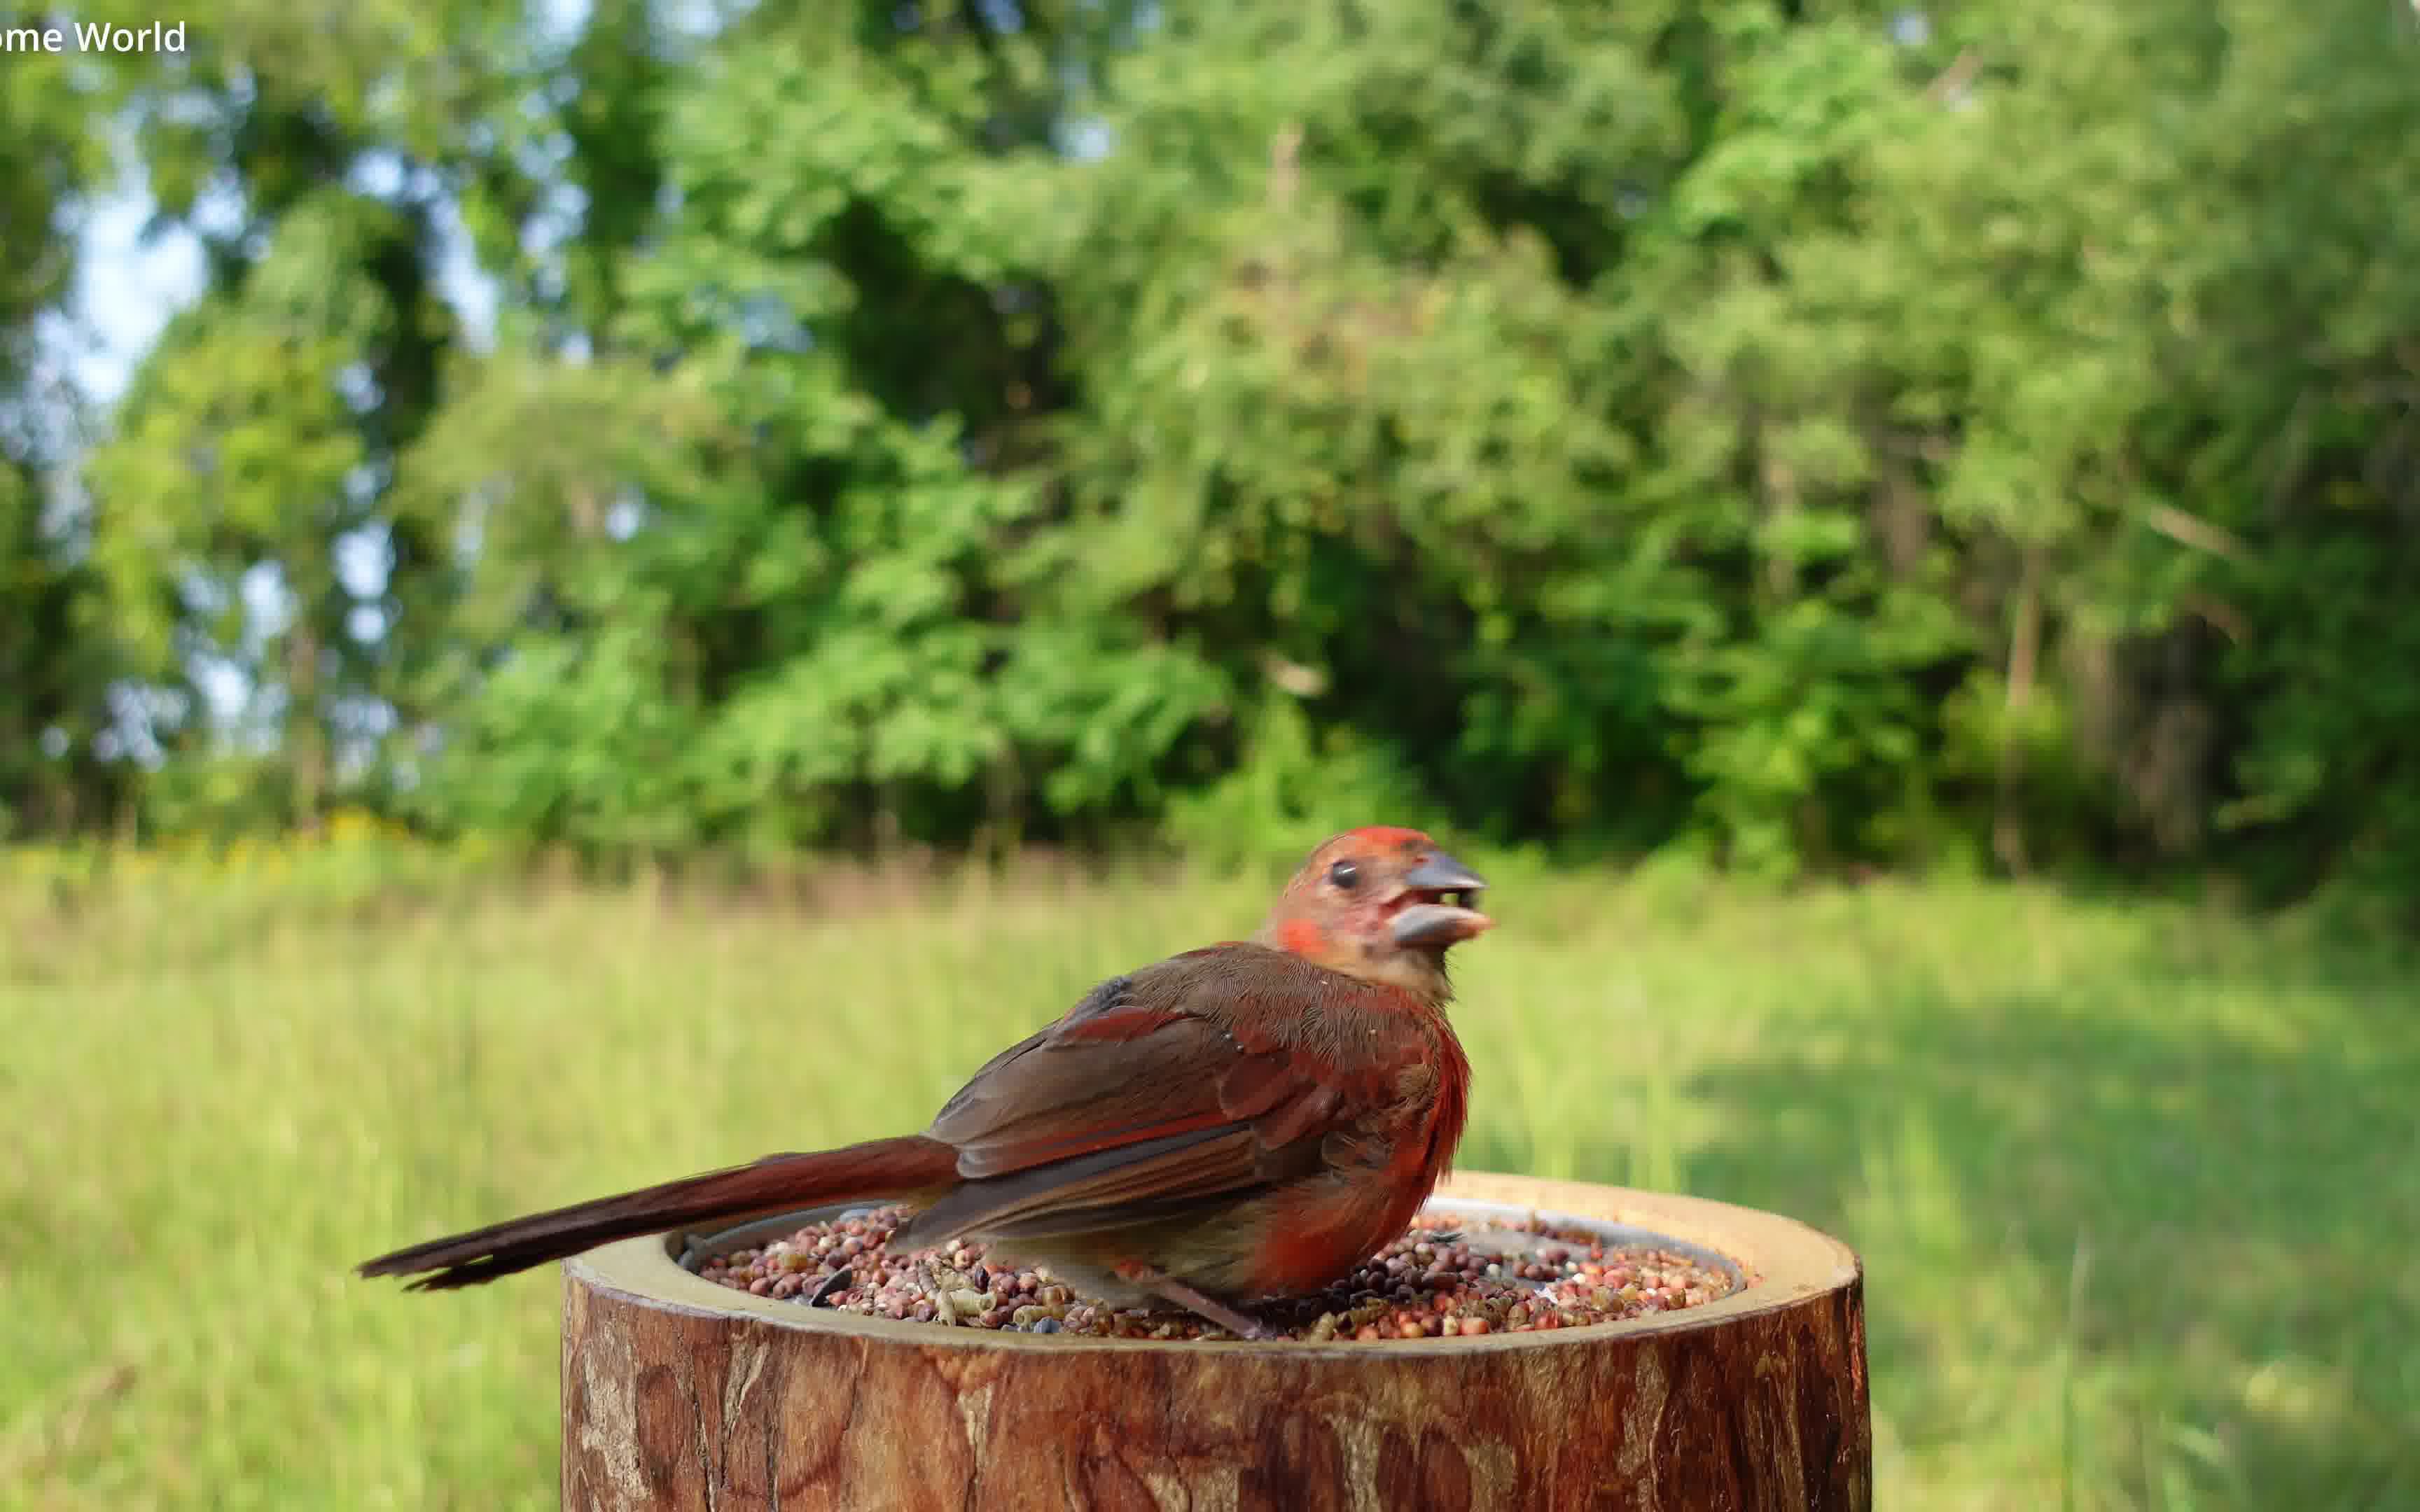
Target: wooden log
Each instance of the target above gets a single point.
(679, 1393)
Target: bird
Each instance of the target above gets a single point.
(1237, 1123)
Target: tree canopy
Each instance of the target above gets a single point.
(1807, 435)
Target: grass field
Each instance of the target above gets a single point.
(2136, 1186)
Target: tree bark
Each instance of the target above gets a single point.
(305, 751)
(2024, 650)
(677, 1394)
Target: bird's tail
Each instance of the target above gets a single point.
(910, 1168)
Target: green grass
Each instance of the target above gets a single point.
(2135, 1185)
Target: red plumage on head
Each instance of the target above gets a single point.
(1302, 936)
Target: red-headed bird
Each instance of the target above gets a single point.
(1252, 1119)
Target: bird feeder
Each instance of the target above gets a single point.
(680, 1394)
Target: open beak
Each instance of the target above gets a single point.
(1434, 912)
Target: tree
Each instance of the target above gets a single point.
(56, 658)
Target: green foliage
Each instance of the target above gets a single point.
(1797, 440)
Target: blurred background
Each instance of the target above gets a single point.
(592, 588)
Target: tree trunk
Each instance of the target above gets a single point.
(307, 739)
(678, 1394)
(2025, 652)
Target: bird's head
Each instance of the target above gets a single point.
(1381, 904)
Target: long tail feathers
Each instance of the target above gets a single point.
(878, 1170)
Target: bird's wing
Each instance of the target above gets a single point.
(1155, 1095)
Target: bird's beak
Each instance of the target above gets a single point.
(1434, 894)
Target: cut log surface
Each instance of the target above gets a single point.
(678, 1394)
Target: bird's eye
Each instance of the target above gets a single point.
(1344, 874)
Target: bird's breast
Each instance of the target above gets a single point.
(1323, 1228)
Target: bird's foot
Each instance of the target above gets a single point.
(1242, 1325)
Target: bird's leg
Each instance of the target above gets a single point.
(1234, 1323)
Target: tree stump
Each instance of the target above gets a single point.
(679, 1393)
